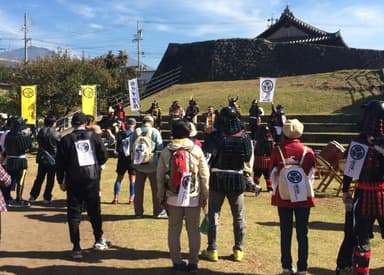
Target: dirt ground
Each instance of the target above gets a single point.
(35, 240)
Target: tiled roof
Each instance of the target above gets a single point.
(313, 34)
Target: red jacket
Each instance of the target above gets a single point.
(292, 148)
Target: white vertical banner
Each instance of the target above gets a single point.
(355, 160)
(134, 95)
(267, 89)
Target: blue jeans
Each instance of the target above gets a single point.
(286, 228)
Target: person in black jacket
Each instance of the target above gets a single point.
(15, 145)
(80, 157)
(48, 139)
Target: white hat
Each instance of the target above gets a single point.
(293, 128)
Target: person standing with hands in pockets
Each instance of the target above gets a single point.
(79, 160)
(296, 201)
(182, 183)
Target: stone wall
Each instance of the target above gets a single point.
(237, 59)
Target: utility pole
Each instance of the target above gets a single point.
(138, 38)
(26, 39)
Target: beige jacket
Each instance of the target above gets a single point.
(199, 169)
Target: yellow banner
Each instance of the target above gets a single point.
(88, 93)
(28, 104)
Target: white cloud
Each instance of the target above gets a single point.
(84, 10)
(162, 27)
(96, 26)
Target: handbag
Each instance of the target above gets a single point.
(45, 158)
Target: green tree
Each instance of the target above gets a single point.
(58, 79)
(120, 72)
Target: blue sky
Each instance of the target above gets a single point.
(93, 27)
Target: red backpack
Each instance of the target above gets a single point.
(179, 164)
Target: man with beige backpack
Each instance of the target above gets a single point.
(292, 166)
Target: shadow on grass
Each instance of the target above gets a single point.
(316, 225)
(60, 218)
(94, 270)
(89, 255)
(322, 271)
(55, 206)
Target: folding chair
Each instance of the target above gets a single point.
(328, 165)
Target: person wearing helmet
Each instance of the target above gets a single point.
(15, 146)
(276, 121)
(230, 148)
(119, 116)
(155, 112)
(192, 111)
(255, 113)
(366, 151)
(263, 150)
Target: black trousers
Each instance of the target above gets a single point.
(43, 171)
(18, 178)
(76, 198)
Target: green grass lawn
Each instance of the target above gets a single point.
(261, 246)
(340, 92)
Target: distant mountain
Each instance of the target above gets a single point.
(18, 54)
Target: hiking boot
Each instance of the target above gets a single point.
(238, 255)
(193, 268)
(47, 202)
(180, 266)
(20, 203)
(102, 244)
(210, 255)
(77, 254)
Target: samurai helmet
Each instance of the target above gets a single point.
(372, 120)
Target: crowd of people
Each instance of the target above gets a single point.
(186, 175)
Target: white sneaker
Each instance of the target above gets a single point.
(163, 214)
(102, 244)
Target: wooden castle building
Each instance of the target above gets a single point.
(289, 29)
